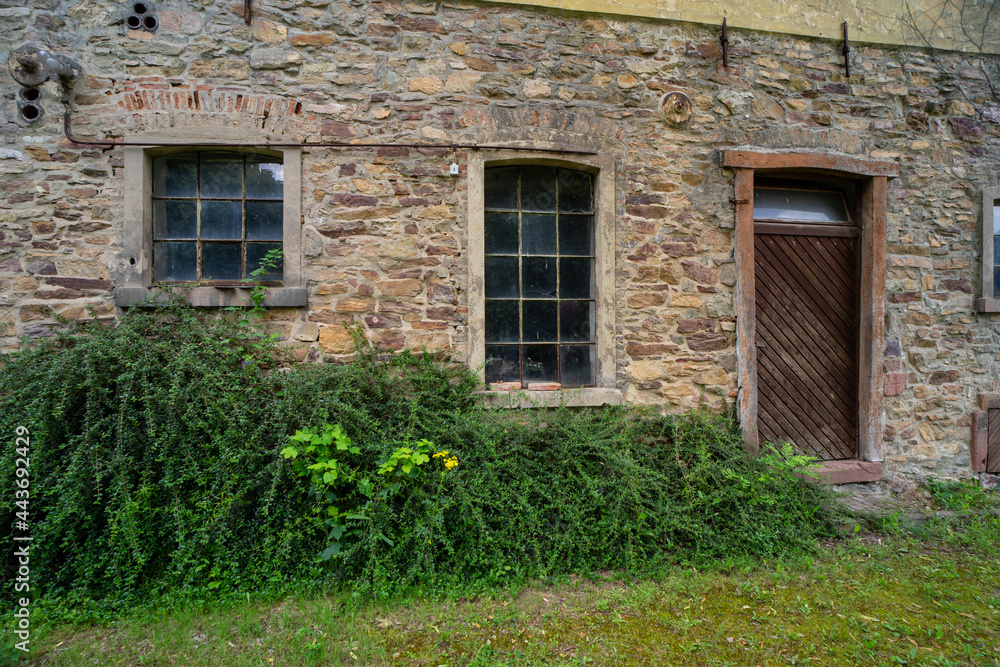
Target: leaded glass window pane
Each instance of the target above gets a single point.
(228, 209)
(539, 275)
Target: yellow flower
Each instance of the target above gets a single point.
(451, 463)
(441, 454)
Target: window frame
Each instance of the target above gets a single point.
(602, 168)
(134, 277)
(989, 302)
(199, 199)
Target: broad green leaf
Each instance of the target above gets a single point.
(330, 552)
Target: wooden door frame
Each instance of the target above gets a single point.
(873, 175)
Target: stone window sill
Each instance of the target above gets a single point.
(586, 397)
(215, 297)
(988, 305)
(850, 471)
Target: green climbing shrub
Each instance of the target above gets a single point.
(161, 470)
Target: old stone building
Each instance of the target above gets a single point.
(584, 205)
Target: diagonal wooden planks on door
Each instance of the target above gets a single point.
(993, 443)
(806, 335)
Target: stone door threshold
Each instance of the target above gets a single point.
(850, 471)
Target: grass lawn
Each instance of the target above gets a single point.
(875, 598)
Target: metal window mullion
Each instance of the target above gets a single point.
(558, 287)
(197, 191)
(243, 219)
(520, 283)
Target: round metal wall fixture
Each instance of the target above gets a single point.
(676, 108)
(26, 65)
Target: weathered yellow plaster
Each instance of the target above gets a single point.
(885, 22)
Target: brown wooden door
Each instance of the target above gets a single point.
(807, 341)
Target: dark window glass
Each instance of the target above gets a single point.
(538, 189)
(576, 235)
(503, 363)
(538, 234)
(221, 176)
(503, 321)
(501, 233)
(576, 278)
(996, 280)
(500, 192)
(221, 261)
(256, 253)
(576, 321)
(176, 261)
(577, 365)
(175, 176)
(264, 220)
(209, 197)
(265, 178)
(502, 282)
(221, 219)
(539, 271)
(541, 363)
(175, 219)
(575, 191)
(538, 277)
(541, 321)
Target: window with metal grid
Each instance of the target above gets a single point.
(539, 275)
(215, 216)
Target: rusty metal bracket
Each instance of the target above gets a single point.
(247, 12)
(847, 51)
(724, 41)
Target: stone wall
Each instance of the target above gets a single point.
(383, 232)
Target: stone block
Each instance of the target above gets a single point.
(336, 339)
(894, 384)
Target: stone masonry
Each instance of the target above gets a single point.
(384, 230)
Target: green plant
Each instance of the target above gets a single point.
(158, 467)
(354, 497)
(962, 496)
(779, 461)
(248, 316)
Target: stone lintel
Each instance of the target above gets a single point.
(989, 400)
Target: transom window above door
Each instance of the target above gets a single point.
(539, 254)
(805, 206)
(215, 216)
